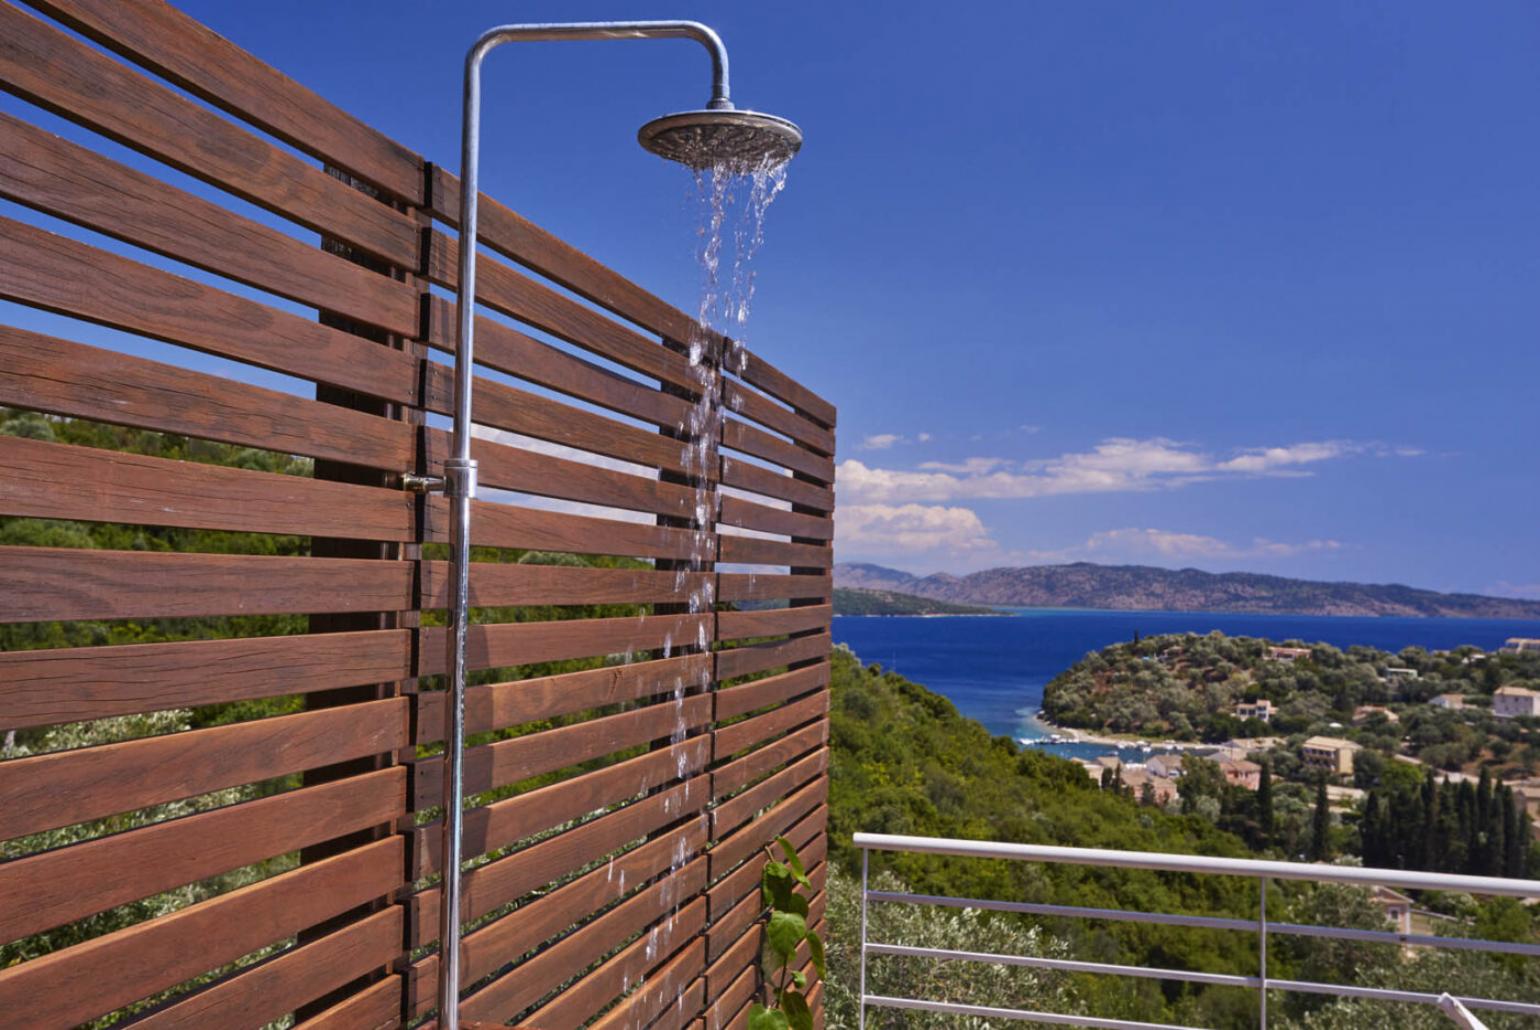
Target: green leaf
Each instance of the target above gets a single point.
(786, 931)
(778, 885)
(798, 1015)
(792, 860)
(800, 980)
(815, 945)
(795, 903)
(761, 1018)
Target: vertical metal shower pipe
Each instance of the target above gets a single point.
(460, 469)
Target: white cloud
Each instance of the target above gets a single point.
(1161, 543)
(880, 441)
(1117, 464)
(880, 529)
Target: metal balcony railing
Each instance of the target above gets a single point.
(1457, 1007)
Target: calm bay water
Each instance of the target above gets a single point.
(994, 668)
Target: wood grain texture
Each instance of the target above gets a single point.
(497, 584)
(77, 984)
(501, 347)
(664, 993)
(742, 661)
(503, 289)
(746, 514)
(49, 271)
(740, 808)
(526, 643)
(740, 436)
(742, 400)
(768, 586)
(161, 38)
(807, 835)
(50, 174)
(498, 705)
(773, 690)
(376, 1007)
(48, 583)
(501, 881)
(759, 372)
(503, 823)
(745, 550)
(729, 740)
(41, 891)
(269, 990)
(49, 68)
(495, 524)
(71, 379)
(750, 839)
(758, 479)
(506, 762)
(543, 475)
(56, 481)
(773, 622)
(75, 684)
(739, 772)
(44, 792)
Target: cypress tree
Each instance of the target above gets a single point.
(1373, 831)
(1465, 796)
(1426, 853)
(1320, 826)
(1265, 803)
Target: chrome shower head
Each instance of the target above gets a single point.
(740, 141)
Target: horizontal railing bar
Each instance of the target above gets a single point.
(1200, 864)
(1021, 1015)
(1066, 965)
(1412, 997)
(1068, 911)
(1210, 923)
(1415, 940)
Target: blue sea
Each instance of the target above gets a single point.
(994, 668)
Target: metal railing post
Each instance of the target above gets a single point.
(861, 1010)
(1262, 952)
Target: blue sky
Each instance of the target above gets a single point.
(1235, 286)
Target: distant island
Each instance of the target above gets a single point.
(1145, 588)
(853, 601)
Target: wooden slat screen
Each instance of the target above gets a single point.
(222, 650)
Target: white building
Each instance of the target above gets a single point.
(1515, 702)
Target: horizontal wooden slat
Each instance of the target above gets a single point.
(742, 771)
(45, 890)
(502, 823)
(747, 550)
(756, 370)
(270, 990)
(747, 697)
(55, 481)
(731, 739)
(766, 586)
(739, 809)
(512, 704)
(771, 622)
(752, 404)
(741, 436)
(47, 791)
(748, 476)
(496, 883)
(515, 237)
(526, 643)
(735, 997)
(509, 761)
(376, 1007)
(544, 475)
(507, 996)
(488, 947)
(677, 1010)
(750, 839)
(741, 661)
(46, 270)
(159, 37)
(63, 378)
(495, 524)
(53, 175)
(666, 989)
(77, 984)
(52, 69)
(529, 414)
(46, 583)
(75, 684)
(746, 514)
(807, 836)
(497, 584)
(507, 350)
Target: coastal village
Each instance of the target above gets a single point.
(1329, 758)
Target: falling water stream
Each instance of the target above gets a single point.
(730, 203)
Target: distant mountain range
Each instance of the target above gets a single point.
(887, 602)
(1144, 588)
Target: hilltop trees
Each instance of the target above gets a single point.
(1447, 827)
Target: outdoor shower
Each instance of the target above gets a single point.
(719, 137)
